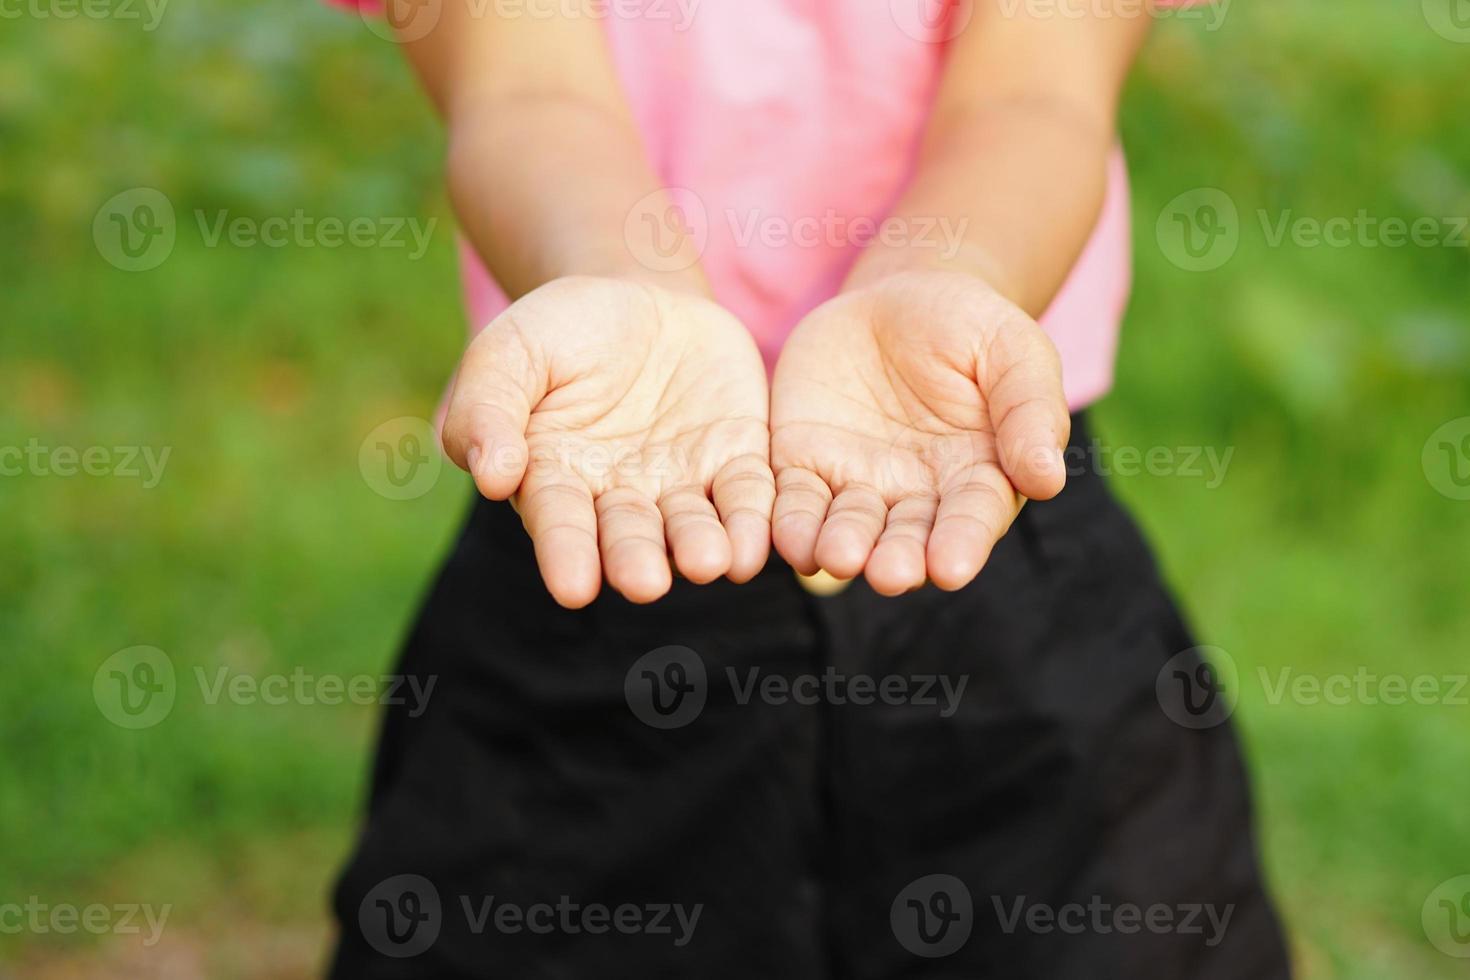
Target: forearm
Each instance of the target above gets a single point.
(1017, 183)
(545, 165)
(535, 211)
(1016, 151)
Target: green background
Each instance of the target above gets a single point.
(1326, 549)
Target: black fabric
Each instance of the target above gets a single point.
(808, 834)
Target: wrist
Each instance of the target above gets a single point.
(616, 261)
(515, 180)
(969, 259)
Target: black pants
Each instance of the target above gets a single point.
(752, 782)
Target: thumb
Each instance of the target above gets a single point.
(498, 385)
(1022, 384)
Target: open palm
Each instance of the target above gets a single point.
(627, 423)
(909, 420)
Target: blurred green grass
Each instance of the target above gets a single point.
(1324, 549)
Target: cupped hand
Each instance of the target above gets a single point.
(627, 423)
(909, 421)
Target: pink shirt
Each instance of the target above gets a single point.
(792, 126)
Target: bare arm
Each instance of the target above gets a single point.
(544, 157)
(621, 409)
(1016, 149)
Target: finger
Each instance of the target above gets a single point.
(802, 499)
(635, 556)
(745, 493)
(854, 521)
(971, 518)
(1028, 409)
(696, 537)
(497, 386)
(496, 447)
(898, 563)
(556, 507)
